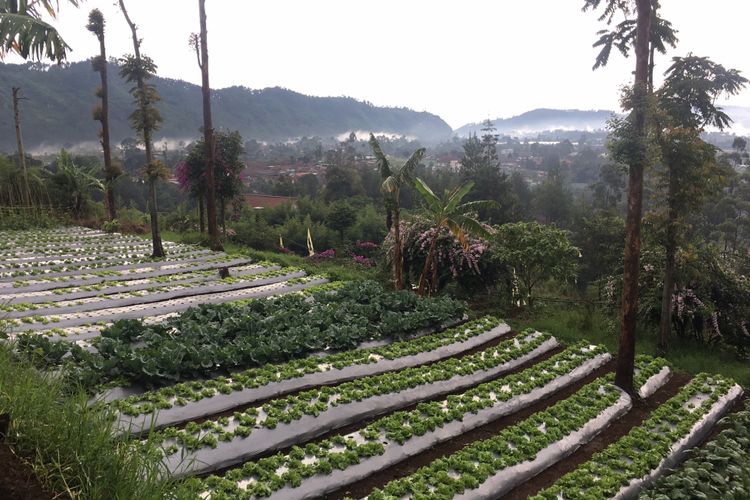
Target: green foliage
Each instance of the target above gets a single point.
(224, 336)
(536, 253)
(76, 183)
(450, 213)
(643, 448)
(719, 469)
(341, 216)
(23, 31)
(227, 168)
(136, 71)
(72, 446)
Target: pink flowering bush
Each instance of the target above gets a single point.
(471, 269)
(362, 260)
(324, 255)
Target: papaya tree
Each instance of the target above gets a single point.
(691, 173)
(136, 69)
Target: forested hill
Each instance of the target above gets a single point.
(539, 120)
(60, 99)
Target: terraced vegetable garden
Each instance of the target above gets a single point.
(267, 382)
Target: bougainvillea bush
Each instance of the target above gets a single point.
(471, 269)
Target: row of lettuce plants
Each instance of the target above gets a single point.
(16, 270)
(644, 447)
(719, 469)
(90, 254)
(263, 477)
(113, 286)
(15, 241)
(196, 390)
(467, 469)
(100, 275)
(102, 299)
(230, 336)
(315, 401)
(163, 306)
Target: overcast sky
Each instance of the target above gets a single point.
(465, 60)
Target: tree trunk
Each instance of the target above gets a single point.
(670, 247)
(223, 218)
(158, 249)
(626, 352)
(26, 192)
(201, 214)
(155, 234)
(427, 265)
(110, 174)
(398, 259)
(208, 134)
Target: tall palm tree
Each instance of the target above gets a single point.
(637, 164)
(393, 180)
(146, 118)
(23, 32)
(101, 112)
(448, 212)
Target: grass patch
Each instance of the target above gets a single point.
(572, 323)
(71, 446)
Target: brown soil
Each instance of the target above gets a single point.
(17, 479)
(618, 429)
(362, 488)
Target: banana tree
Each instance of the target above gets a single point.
(23, 32)
(393, 180)
(448, 212)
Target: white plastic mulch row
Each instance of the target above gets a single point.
(21, 295)
(127, 299)
(679, 450)
(150, 270)
(108, 266)
(221, 402)
(263, 439)
(65, 321)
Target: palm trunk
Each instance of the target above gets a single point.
(25, 192)
(398, 260)
(208, 134)
(626, 351)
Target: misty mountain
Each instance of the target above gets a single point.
(539, 120)
(59, 100)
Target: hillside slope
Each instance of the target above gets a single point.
(60, 99)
